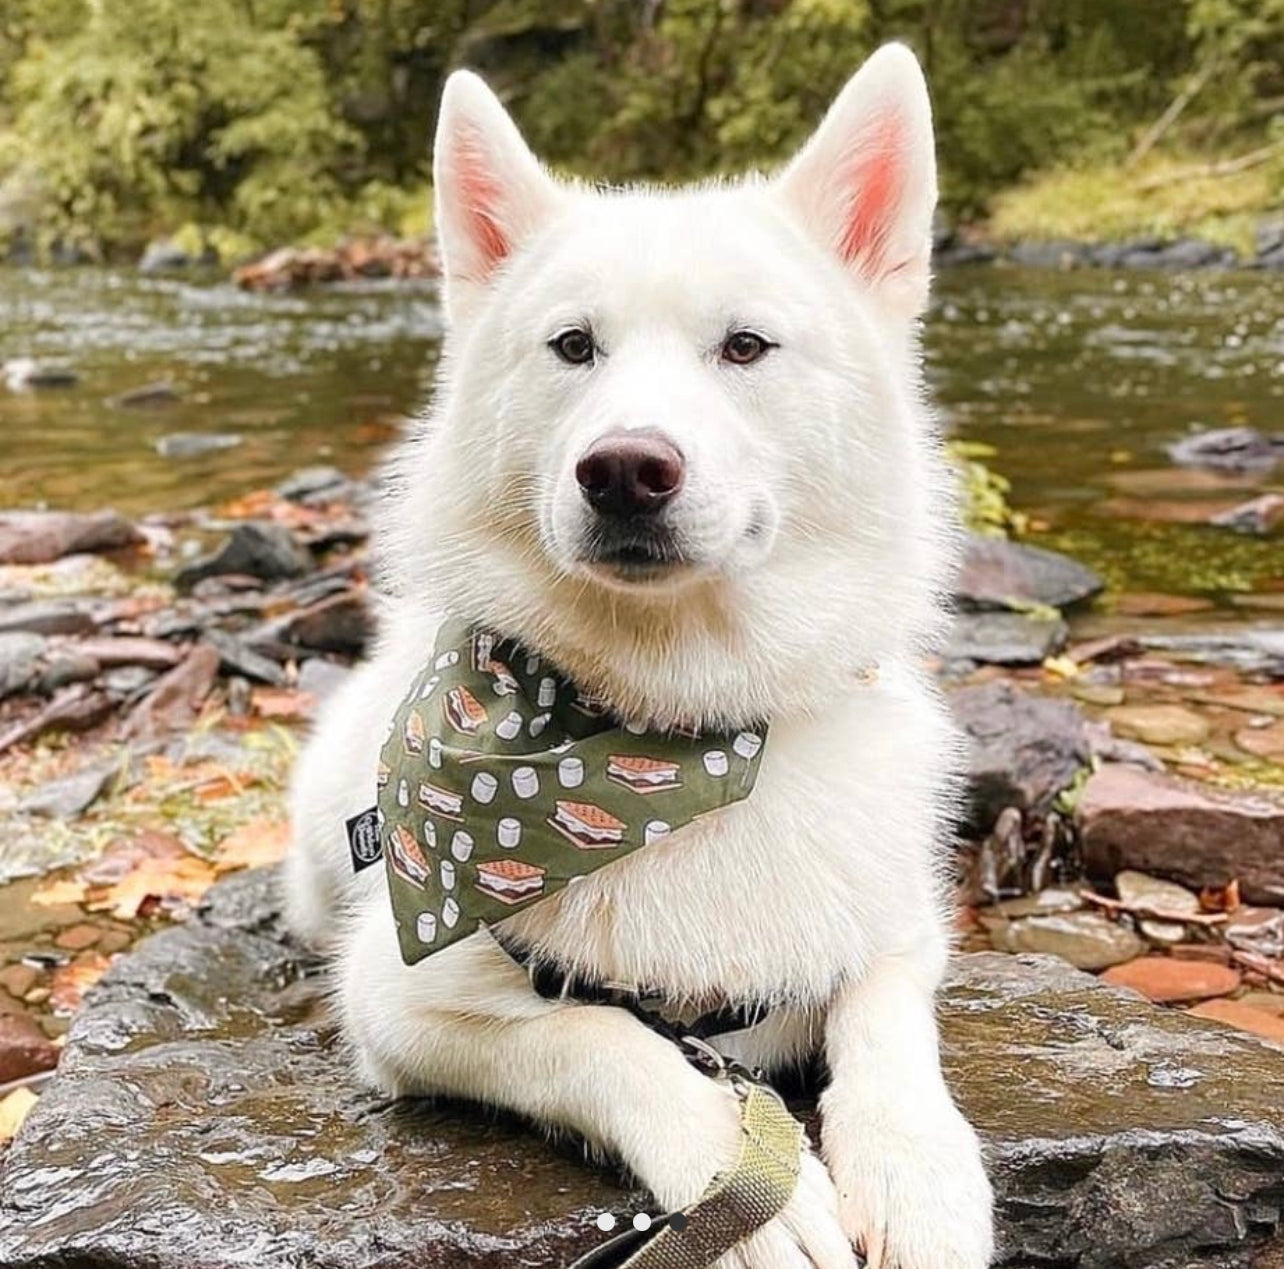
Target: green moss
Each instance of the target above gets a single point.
(1106, 203)
(1168, 558)
(985, 492)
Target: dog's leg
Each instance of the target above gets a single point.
(466, 1023)
(912, 1186)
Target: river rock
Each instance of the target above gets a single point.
(177, 697)
(24, 1048)
(1260, 516)
(204, 1081)
(204, 1103)
(1052, 254)
(1168, 981)
(1023, 749)
(163, 256)
(1229, 449)
(39, 537)
(194, 444)
(20, 653)
(341, 623)
(69, 795)
(1087, 940)
(47, 617)
(1158, 724)
(997, 573)
(147, 396)
(1139, 890)
(1004, 638)
(316, 485)
(1188, 832)
(21, 374)
(155, 654)
(239, 658)
(262, 550)
(1243, 1017)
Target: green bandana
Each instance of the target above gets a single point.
(500, 784)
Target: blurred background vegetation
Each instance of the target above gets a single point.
(241, 124)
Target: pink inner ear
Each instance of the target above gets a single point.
(874, 178)
(480, 202)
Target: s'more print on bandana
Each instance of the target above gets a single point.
(500, 784)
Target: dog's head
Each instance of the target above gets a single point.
(679, 442)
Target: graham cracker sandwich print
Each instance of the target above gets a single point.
(464, 712)
(511, 881)
(432, 797)
(642, 774)
(415, 733)
(407, 858)
(587, 826)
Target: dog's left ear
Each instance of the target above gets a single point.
(865, 184)
(491, 192)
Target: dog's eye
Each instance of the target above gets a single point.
(574, 346)
(743, 347)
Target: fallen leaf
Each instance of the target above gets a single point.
(146, 847)
(253, 845)
(56, 893)
(71, 981)
(13, 1110)
(169, 884)
(282, 702)
(1220, 898)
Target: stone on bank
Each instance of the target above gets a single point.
(203, 1113)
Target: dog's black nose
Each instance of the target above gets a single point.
(630, 473)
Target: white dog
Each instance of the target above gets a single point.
(739, 364)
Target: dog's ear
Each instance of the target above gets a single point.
(865, 184)
(490, 190)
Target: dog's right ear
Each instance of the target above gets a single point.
(490, 190)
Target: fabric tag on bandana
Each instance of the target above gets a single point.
(500, 783)
(363, 839)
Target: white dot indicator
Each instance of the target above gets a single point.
(641, 1221)
(606, 1222)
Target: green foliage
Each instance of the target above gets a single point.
(985, 493)
(277, 119)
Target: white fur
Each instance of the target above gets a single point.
(818, 534)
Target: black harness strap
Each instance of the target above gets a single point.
(554, 983)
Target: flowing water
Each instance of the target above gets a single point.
(1078, 381)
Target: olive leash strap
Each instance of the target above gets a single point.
(738, 1201)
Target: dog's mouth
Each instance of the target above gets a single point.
(634, 554)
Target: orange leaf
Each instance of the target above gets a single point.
(282, 702)
(13, 1110)
(253, 845)
(70, 982)
(166, 883)
(55, 893)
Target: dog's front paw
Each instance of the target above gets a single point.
(808, 1234)
(913, 1196)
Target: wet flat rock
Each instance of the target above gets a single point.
(202, 1115)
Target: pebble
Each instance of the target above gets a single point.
(19, 660)
(1159, 724)
(1086, 939)
(24, 1047)
(1263, 742)
(1138, 889)
(1256, 929)
(1169, 981)
(1243, 1017)
(78, 937)
(1046, 901)
(193, 444)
